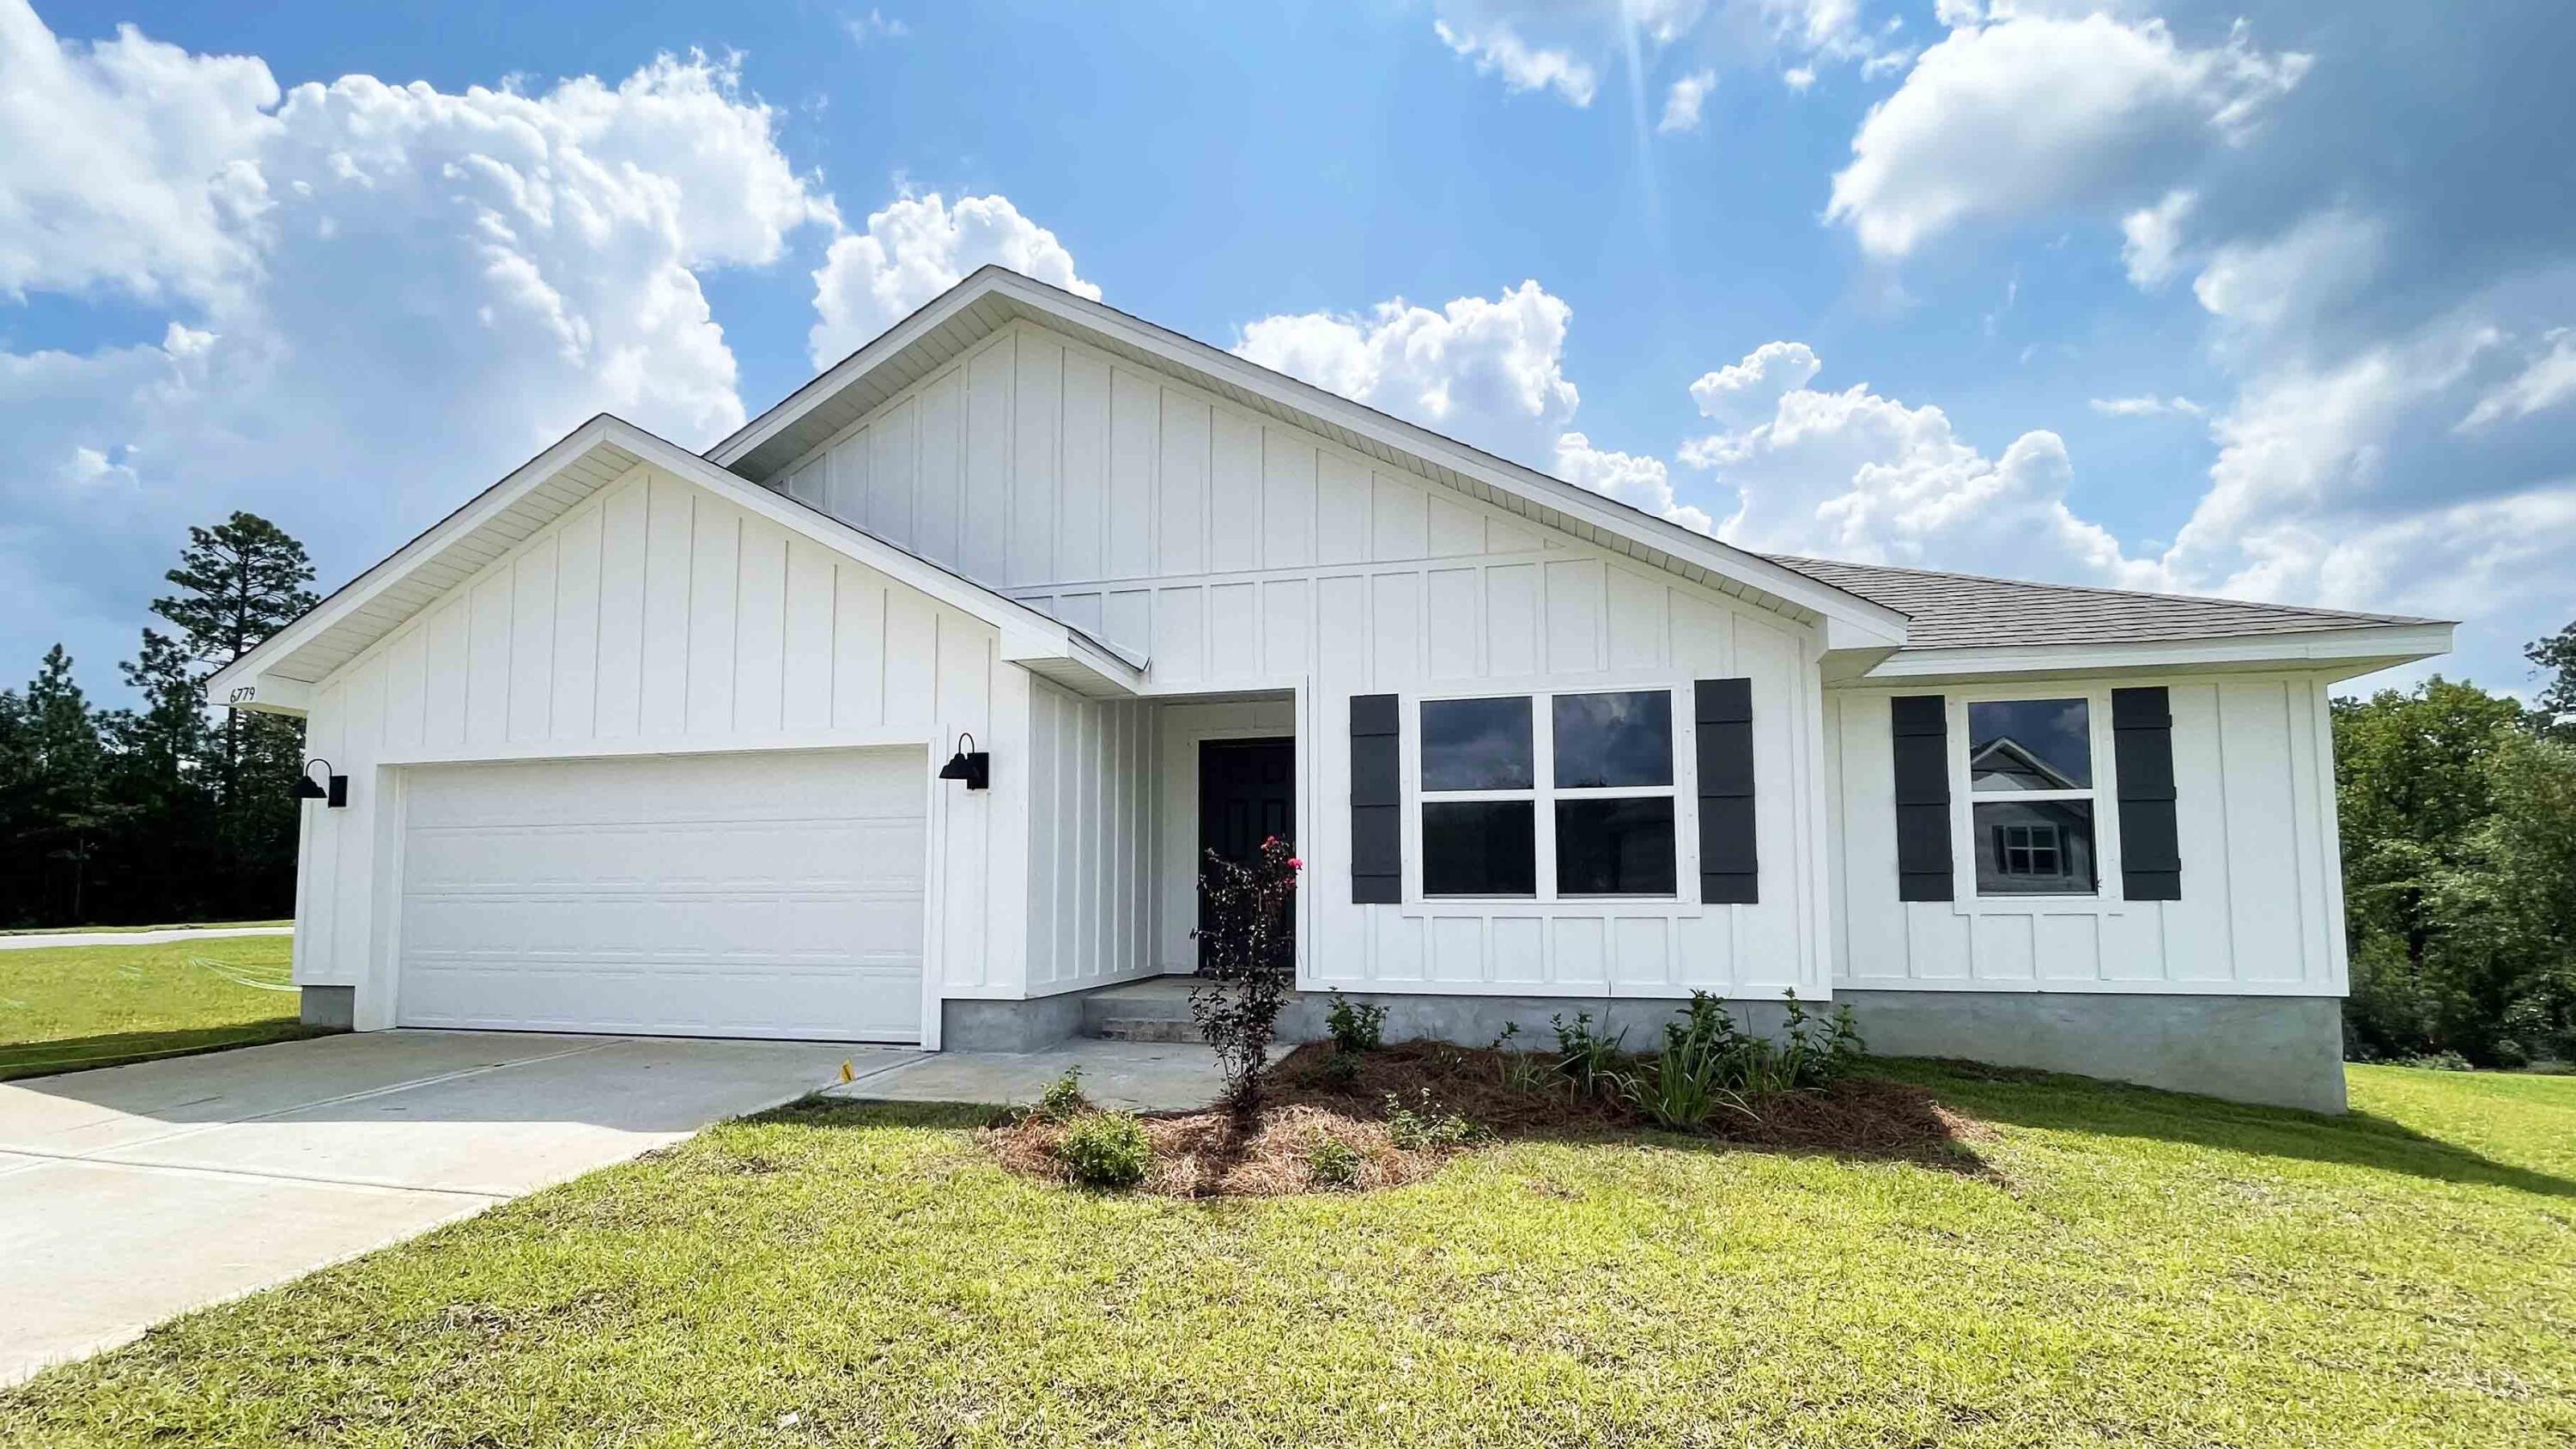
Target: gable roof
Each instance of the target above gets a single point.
(372, 606)
(1968, 611)
(995, 297)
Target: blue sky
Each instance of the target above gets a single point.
(2264, 299)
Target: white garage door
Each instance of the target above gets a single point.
(775, 895)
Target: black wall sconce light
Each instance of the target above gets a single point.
(306, 789)
(969, 764)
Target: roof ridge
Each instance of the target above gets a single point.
(1800, 561)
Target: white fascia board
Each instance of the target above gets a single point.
(2336, 653)
(932, 316)
(360, 591)
(266, 693)
(1198, 359)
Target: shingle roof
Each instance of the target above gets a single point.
(1970, 611)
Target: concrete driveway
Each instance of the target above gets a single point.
(135, 1193)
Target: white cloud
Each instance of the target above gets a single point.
(1798, 77)
(391, 295)
(1743, 394)
(874, 26)
(2313, 263)
(2148, 406)
(916, 249)
(1859, 476)
(1683, 102)
(128, 163)
(2034, 115)
(2151, 238)
(1498, 49)
(1487, 372)
(2549, 382)
(1638, 481)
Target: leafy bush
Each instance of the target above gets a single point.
(1588, 1059)
(1424, 1123)
(1685, 1085)
(1331, 1162)
(1356, 1026)
(1250, 961)
(1106, 1149)
(1341, 1068)
(2439, 1062)
(1063, 1101)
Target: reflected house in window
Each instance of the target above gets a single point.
(2038, 838)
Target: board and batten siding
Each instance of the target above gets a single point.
(657, 617)
(1238, 554)
(1091, 811)
(2262, 900)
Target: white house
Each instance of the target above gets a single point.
(639, 740)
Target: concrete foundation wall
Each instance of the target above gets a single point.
(1009, 1026)
(1477, 1020)
(335, 1007)
(2284, 1051)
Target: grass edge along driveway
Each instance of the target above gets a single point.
(2123, 1267)
(73, 1008)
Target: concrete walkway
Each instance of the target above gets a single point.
(134, 1193)
(1139, 1076)
(38, 939)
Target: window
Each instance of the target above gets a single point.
(2030, 783)
(1605, 799)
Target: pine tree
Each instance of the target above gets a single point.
(61, 811)
(240, 582)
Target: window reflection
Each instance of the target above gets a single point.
(1476, 744)
(1613, 739)
(2035, 848)
(2029, 744)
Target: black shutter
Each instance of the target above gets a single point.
(1722, 720)
(2142, 752)
(1921, 725)
(1377, 802)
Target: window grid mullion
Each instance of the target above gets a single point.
(1543, 774)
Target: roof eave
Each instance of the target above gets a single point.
(2336, 654)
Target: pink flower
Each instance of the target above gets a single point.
(1295, 864)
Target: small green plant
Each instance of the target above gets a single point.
(1587, 1058)
(1521, 1071)
(1106, 1149)
(1062, 1101)
(1687, 1083)
(1424, 1123)
(1357, 1026)
(2437, 1062)
(1342, 1068)
(1331, 1162)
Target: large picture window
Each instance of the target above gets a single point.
(2031, 797)
(1597, 820)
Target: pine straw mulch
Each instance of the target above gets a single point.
(1218, 1153)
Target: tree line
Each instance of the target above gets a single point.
(164, 811)
(2458, 811)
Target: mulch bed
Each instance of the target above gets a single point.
(1304, 1101)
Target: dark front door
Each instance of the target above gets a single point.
(1247, 793)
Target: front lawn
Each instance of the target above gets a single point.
(66, 1008)
(2110, 1268)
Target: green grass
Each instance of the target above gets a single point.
(2114, 1268)
(67, 1008)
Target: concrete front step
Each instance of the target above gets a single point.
(1156, 1009)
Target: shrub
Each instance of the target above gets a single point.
(1341, 1068)
(1356, 1026)
(1106, 1149)
(1587, 1058)
(1331, 1162)
(1424, 1123)
(2439, 1062)
(1063, 1101)
(1250, 960)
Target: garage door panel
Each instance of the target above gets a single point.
(753, 895)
